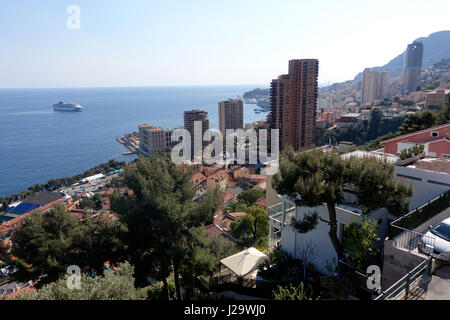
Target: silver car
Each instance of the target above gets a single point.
(436, 242)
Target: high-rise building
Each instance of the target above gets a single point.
(231, 114)
(153, 139)
(190, 117)
(412, 66)
(293, 99)
(374, 86)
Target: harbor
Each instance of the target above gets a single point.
(131, 142)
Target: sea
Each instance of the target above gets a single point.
(37, 143)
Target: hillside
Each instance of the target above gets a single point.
(435, 47)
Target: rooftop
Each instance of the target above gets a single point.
(366, 154)
(43, 198)
(432, 164)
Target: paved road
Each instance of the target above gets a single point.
(439, 286)
(435, 288)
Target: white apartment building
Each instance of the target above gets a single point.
(427, 183)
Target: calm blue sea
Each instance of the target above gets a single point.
(37, 143)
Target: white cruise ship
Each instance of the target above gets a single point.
(61, 106)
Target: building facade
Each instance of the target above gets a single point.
(437, 98)
(412, 66)
(293, 99)
(190, 117)
(433, 139)
(374, 86)
(349, 119)
(231, 114)
(428, 182)
(153, 139)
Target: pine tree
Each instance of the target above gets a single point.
(313, 178)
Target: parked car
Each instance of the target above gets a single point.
(436, 241)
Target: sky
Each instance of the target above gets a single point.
(203, 42)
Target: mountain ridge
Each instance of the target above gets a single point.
(435, 47)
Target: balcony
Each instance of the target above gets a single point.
(280, 215)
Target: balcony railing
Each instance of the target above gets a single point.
(282, 213)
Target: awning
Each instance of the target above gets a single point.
(244, 262)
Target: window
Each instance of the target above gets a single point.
(435, 134)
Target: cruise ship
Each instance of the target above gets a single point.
(61, 106)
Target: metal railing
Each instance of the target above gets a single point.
(419, 209)
(411, 240)
(408, 282)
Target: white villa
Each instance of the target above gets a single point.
(430, 178)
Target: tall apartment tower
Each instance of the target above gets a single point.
(231, 114)
(412, 66)
(190, 117)
(293, 99)
(374, 86)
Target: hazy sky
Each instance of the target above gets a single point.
(194, 42)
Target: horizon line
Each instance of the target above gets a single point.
(262, 86)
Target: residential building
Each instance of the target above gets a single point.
(429, 177)
(329, 117)
(219, 178)
(231, 114)
(153, 139)
(190, 117)
(437, 98)
(412, 66)
(214, 230)
(349, 119)
(374, 86)
(229, 218)
(433, 139)
(293, 99)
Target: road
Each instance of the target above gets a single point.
(439, 286)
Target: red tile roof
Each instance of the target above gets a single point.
(198, 178)
(260, 202)
(228, 196)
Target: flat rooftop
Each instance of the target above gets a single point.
(369, 154)
(432, 164)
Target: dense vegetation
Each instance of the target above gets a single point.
(165, 227)
(47, 243)
(361, 134)
(113, 285)
(252, 229)
(159, 229)
(370, 133)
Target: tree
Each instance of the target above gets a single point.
(359, 240)
(376, 116)
(251, 227)
(250, 196)
(101, 242)
(87, 204)
(293, 293)
(113, 285)
(160, 217)
(46, 240)
(53, 240)
(315, 178)
(307, 252)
